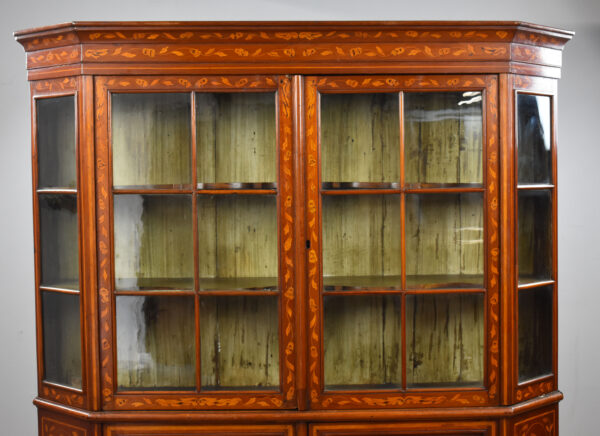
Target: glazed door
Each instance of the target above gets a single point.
(194, 223)
(402, 228)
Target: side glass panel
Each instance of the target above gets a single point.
(156, 343)
(153, 242)
(237, 242)
(360, 139)
(151, 141)
(362, 342)
(239, 342)
(56, 142)
(361, 242)
(58, 240)
(62, 338)
(444, 245)
(445, 340)
(535, 332)
(535, 236)
(236, 138)
(443, 138)
(534, 142)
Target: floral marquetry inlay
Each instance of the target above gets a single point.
(53, 427)
(540, 425)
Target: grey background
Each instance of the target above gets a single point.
(578, 175)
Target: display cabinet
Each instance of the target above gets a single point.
(336, 228)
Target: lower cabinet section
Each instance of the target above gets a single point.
(479, 428)
(542, 421)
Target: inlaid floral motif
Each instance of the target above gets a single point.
(541, 425)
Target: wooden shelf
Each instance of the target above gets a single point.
(449, 281)
(154, 284)
(238, 283)
(356, 283)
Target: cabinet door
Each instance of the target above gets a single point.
(402, 241)
(195, 212)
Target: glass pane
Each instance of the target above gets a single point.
(156, 343)
(535, 236)
(362, 340)
(360, 138)
(240, 342)
(62, 338)
(535, 332)
(58, 239)
(236, 138)
(445, 340)
(534, 141)
(56, 143)
(444, 240)
(151, 143)
(443, 138)
(237, 240)
(153, 242)
(361, 242)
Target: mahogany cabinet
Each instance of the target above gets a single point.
(294, 228)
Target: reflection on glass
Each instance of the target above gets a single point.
(535, 236)
(151, 139)
(445, 340)
(444, 240)
(236, 137)
(534, 139)
(58, 240)
(56, 143)
(535, 332)
(156, 343)
(360, 138)
(240, 342)
(62, 338)
(362, 342)
(361, 241)
(237, 240)
(153, 242)
(443, 138)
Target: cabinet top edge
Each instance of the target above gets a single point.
(96, 31)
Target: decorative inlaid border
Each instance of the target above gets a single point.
(136, 53)
(287, 244)
(164, 400)
(56, 56)
(538, 425)
(441, 398)
(493, 235)
(61, 395)
(53, 85)
(316, 34)
(535, 389)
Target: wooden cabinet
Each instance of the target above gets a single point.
(295, 228)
